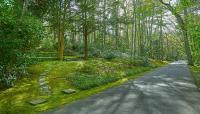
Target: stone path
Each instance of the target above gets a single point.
(167, 90)
(37, 101)
(43, 82)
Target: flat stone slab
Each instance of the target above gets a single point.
(43, 74)
(47, 70)
(46, 89)
(43, 84)
(69, 91)
(42, 79)
(37, 101)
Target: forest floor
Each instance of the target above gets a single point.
(169, 89)
(86, 77)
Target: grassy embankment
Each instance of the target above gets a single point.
(196, 75)
(87, 77)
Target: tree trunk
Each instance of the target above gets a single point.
(184, 32)
(61, 45)
(24, 7)
(161, 38)
(86, 43)
(85, 35)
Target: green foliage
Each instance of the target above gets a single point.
(88, 68)
(38, 8)
(85, 81)
(145, 62)
(135, 70)
(95, 73)
(196, 75)
(8, 75)
(139, 62)
(48, 44)
(17, 38)
(194, 32)
(102, 73)
(109, 55)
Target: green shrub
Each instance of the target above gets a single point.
(139, 62)
(87, 69)
(157, 63)
(95, 52)
(85, 81)
(17, 38)
(109, 55)
(8, 75)
(196, 75)
(114, 54)
(48, 44)
(136, 70)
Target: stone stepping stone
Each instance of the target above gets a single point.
(69, 91)
(37, 101)
(43, 74)
(43, 84)
(45, 88)
(42, 79)
(46, 70)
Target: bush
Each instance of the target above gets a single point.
(87, 69)
(8, 75)
(157, 63)
(196, 75)
(95, 53)
(109, 55)
(85, 81)
(48, 44)
(139, 62)
(114, 54)
(17, 37)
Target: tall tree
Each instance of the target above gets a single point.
(182, 24)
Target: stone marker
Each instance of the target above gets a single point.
(37, 101)
(69, 91)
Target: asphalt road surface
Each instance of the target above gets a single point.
(167, 90)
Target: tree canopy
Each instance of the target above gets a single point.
(153, 29)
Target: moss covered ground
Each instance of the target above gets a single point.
(196, 75)
(14, 100)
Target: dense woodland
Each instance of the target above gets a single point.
(136, 29)
(89, 43)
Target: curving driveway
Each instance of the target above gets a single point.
(167, 90)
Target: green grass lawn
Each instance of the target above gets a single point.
(87, 77)
(196, 75)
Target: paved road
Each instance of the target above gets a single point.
(167, 90)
